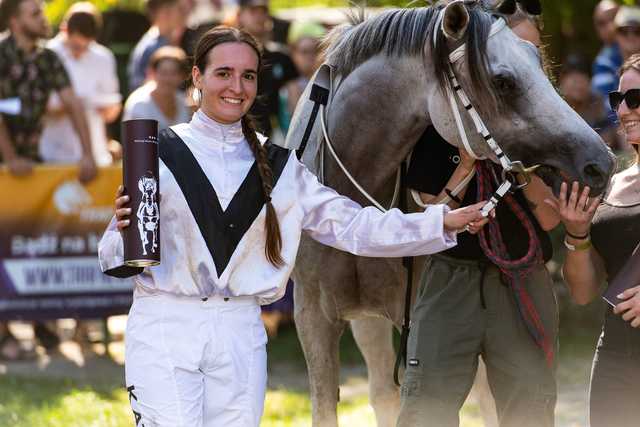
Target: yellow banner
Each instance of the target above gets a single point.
(55, 194)
(50, 227)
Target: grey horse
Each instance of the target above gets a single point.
(388, 77)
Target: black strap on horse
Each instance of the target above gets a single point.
(407, 263)
(320, 96)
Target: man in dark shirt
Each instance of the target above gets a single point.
(491, 295)
(29, 73)
(466, 306)
(277, 67)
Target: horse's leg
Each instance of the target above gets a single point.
(375, 340)
(319, 338)
(481, 393)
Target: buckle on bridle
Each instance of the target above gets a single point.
(516, 169)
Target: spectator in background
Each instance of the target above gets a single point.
(167, 19)
(92, 69)
(29, 73)
(609, 59)
(304, 42)
(278, 69)
(627, 24)
(161, 98)
(575, 86)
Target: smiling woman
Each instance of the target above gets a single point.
(226, 74)
(615, 378)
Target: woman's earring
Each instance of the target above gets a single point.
(196, 96)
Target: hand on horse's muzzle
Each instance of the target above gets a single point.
(468, 218)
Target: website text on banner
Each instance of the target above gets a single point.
(50, 225)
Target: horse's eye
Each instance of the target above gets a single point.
(504, 83)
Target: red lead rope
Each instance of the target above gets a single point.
(514, 270)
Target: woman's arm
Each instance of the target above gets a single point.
(455, 190)
(337, 221)
(583, 271)
(464, 168)
(583, 268)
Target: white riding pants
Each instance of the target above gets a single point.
(195, 363)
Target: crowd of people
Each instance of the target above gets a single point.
(68, 91)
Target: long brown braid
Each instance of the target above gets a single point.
(274, 238)
(209, 40)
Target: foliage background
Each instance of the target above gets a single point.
(568, 23)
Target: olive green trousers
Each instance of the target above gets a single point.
(464, 310)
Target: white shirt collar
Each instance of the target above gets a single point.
(227, 134)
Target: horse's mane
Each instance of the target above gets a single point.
(408, 32)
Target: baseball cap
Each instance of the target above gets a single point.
(627, 16)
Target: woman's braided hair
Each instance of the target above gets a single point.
(209, 40)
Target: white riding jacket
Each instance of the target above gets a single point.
(301, 202)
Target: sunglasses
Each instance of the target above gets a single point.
(509, 7)
(631, 97)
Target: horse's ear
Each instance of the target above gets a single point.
(455, 20)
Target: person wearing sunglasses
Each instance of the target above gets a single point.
(600, 238)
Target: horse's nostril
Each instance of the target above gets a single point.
(594, 176)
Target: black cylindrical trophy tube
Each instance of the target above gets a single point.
(142, 185)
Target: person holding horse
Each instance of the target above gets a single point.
(600, 239)
(490, 296)
(233, 209)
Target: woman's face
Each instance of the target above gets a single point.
(630, 119)
(229, 83)
(305, 56)
(168, 75)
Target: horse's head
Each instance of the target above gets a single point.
(505, 80)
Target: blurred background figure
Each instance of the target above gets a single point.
(575, 86)
(609, 59)
(29, 73)
(161, 98)
(92, 69)
(167, 22)
(627, 24)
(277, 68)
(304, 44)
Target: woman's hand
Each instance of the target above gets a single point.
(576, 211)
(630, 309)
(468, 218)
(122, 211)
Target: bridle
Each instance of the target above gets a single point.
(455, 91)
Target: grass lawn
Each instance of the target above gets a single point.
(39, 401)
